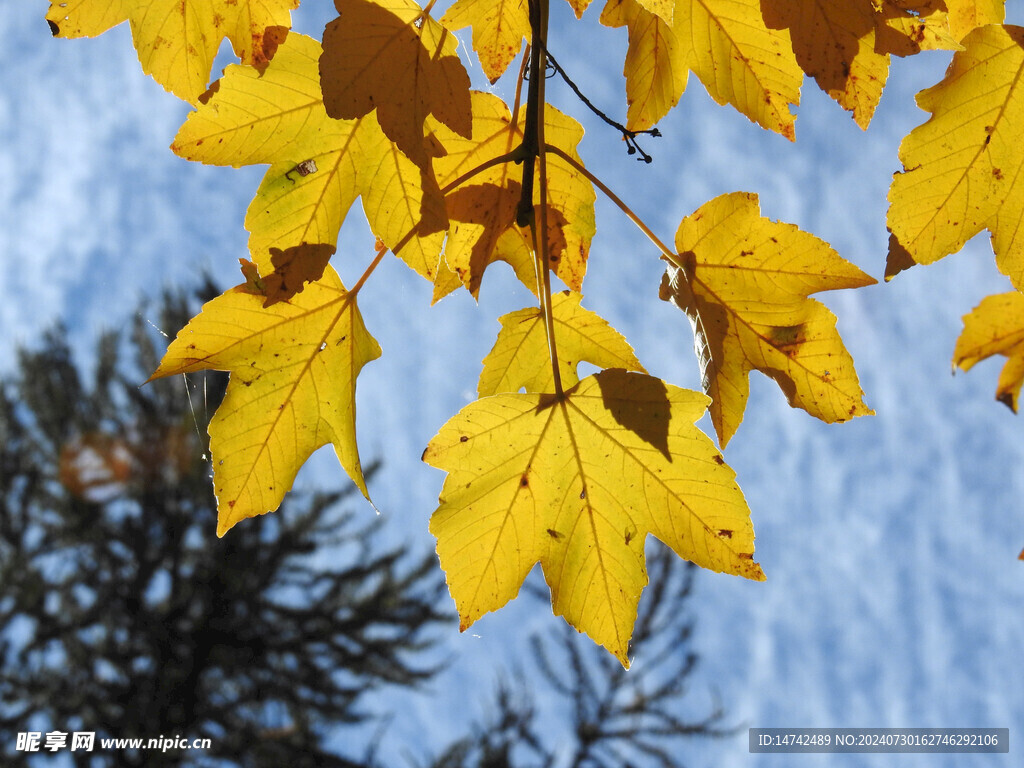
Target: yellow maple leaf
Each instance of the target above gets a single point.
(577, 483)
(965, 165)
(845, 46)
(279, 118)
(177, 40)
(965, 15)
(743, 280)
(482, 212)
(519, 358)
(390, 56)
(996, 327)
(499, 28)
(726, 44)
(292, 388)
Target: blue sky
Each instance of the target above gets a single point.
(893, 595)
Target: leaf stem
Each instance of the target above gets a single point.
(628, 136)
(519, 85)
(668, 254)
(508, 157)
(539, 224)
(381, 250)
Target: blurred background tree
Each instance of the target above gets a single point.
(121, 614)
(616, 718)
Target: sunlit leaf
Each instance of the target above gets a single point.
(965, 15)
(499, 28)
(481, 212)
(996, 327)
(965, 166)
(279, 118)
(724, 42)
(177, 40)
(576, 483)
(292, 388)
(519, 357)
(744, 283)
(845, 46)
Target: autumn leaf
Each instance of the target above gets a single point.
(499, 27)
(724, 42)
(390, 56)
(482, 212)
(292, 388)
(279, 118)
(177, 40)
(964, 167)
(743, 280)
(845, 46)
(576, 483)
(996, 327)
(519, 358)
(966, 15)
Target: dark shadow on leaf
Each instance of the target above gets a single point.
(639, 403)
(488, 206)
(293, 268)
(832, 73)
(267, 43)
(899, 259)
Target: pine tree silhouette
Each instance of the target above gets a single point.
(122, 615)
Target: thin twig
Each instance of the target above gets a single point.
(381, 250)
(632, 147)
(508, 157)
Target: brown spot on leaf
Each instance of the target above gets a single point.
(54, 29)
(463, 439)
(725, 533)
(554, 534)
(718, 459)
(524, 482)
